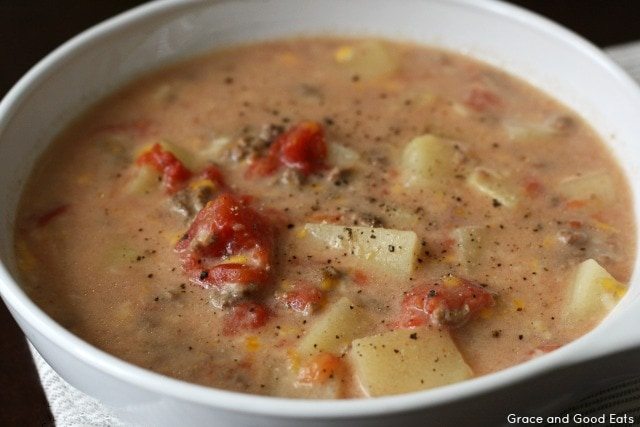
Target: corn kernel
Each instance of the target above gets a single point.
(252, 343)
(327, 283)
(236, 259)
(344, 54)
(202, 183)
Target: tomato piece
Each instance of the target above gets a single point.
(482, 99)
(320, 368)
(174, 173)
(213, 174)
(236, 273)
(264, 166)
(304, 298)
(444, 305)
(245, 316)
(228, 246)
(302, 148)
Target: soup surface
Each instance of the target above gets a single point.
(327, 218)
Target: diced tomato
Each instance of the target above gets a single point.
(228, 228)
(213, 174)
(174, 173)
(302, 148)
(237, 273)
(320, 368)
(482, 99)
(245, 316)
(304, 298)
(264, 166)
(443, 305)
(47, 217)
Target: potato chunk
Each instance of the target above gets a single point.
(407, 360)
(367, 60)
(599, 185)
(333, 332)
(469, 243)
(381, 250)
(428, 161)
(593, 292)
(494, 185)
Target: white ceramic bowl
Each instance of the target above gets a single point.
(103, 58)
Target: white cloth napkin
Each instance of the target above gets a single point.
(72, 408)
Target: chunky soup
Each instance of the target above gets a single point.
(327, 218)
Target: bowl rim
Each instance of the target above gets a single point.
(17, 300)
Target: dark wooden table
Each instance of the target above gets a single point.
(29, 29)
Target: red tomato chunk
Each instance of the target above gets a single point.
(213, 174)
(228, 246)
(304, 298)
(174, 173)
(302, 148)
(244, 316)
(444, 305)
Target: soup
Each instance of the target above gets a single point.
(327, 218)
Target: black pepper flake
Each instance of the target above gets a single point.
(520, 337)
(150, 275)
(414, 336)
(204, 274)
(496, 203)
(289, 226)
(392, 248)
(496, 333)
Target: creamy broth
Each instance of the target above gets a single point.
(502, 193)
